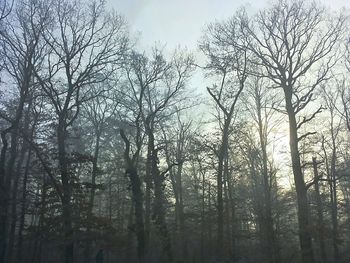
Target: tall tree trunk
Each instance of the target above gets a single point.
(271, 250)
(203, 221)
(67, 192)
(319, 207)
(228, 236)
(176, 182)
(24, 188)
(4, 195)
(14, 203)
(138, 201)
(23, 207)
(148, 181)
(220, 205)
(136, 188)
(301, 190)
(334, 203)
(6, 171)
(181, 211)
(159, 208)
(17, 175)
(94, 172)
(41, 226)
(209, 221)
(232, 221)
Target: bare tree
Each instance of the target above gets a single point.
(21, 49)
(84, 42)
(330, 147)
(98, 112)
(156, 86)
(178, 138)
(131, 164)
(260, 102)
(224, 46)
(143, 75)
(294, 47)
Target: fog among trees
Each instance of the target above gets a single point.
(110, 152)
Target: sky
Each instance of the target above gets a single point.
(174, 23)
(181, 22)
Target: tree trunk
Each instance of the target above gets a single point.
(14, 203)
(17, 176)
(67, 192)
(209, 221)
(203, 221)
(159, 199)
(23, 206)
(138, 200)
(136, 187)
(4, 196)
(220, 206)
(148, 181)
(301, 190)
(94, 172)
(232, 221)
(24, 189)
(334, 206)
(180, 208)
(271, 250)
(319, 207)
(228, 236)
(6, 173)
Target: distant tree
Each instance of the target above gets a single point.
(178, 138)
(260, 102)
(143, 76)
(330, 142)
(98, 112)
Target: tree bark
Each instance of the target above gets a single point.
(66, 189)
(136, 188)
(301, 190)
(138, 201)
(159, 199)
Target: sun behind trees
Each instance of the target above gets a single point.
(109, 154)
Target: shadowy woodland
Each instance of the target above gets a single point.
(110, 153)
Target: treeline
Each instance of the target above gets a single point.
(109, 150)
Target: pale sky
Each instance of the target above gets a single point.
(181, 22)
(176, 23)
